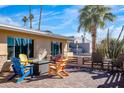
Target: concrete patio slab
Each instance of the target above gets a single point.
(79, 78)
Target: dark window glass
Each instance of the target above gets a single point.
(31, 48)
(17, 47)
(52, 48)
(10, 42)
(21, 45)
(24, 46)
(56, 48)
(60, 48)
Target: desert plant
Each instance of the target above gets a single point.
(115, 46)
(101, 48)
(111, 47)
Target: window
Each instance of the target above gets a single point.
(11, 47)
(20, 45)
(17, 47)
(31, 47)
(56, 48)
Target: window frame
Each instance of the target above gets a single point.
(27, 39)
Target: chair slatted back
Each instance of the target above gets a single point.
(17, 67)
(23, 58)
(62, 63)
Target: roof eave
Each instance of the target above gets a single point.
(30, 31)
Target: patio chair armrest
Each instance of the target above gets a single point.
(22, 61)
(52, 65)
(29, 66)
(22, 66)
(30, 61)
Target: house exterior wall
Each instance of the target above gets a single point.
(40, 42)
(3, 50)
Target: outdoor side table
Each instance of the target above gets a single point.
(41, 67)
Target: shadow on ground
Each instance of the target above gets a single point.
(112, 79)
(4, 76)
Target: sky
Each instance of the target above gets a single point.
(60, 19)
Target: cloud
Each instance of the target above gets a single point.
(46, 16)
(47, 13)
(76, 34)
(120, 18)
(8, 21)
(48, 27)
(117, 9)
(122, 9)
(61, 19)
(117, 31)
(56, 13)
(67, 17)
(114, 32)
(3, 6)
(64, 22)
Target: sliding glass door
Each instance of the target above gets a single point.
(56, 48)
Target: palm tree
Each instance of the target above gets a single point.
(31, 17)
(93, 17)
(39, 25)
(25, 19)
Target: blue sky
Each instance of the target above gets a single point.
(58, 19)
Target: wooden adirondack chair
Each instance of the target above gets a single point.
(58, 68)
(24, 59)
(21, 70)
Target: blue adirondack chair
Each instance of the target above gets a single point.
(21, 70)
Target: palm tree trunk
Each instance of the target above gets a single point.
(24, 24)
(94, 39)
(31, 24)
(40, 18)
(29, 17)
(84, 37)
